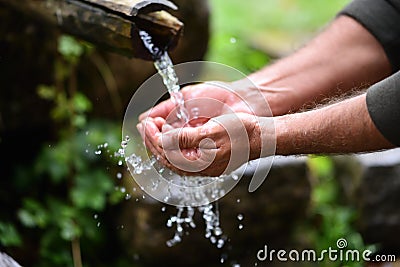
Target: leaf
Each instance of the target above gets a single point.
(81, 103)
(70, 48)
(79, 121)
(9, 235)
(70, 230)
(91, 190)
(54, 161)
(46, 92)
(33, 214)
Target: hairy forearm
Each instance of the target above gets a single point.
(343, 57)
(345, 127)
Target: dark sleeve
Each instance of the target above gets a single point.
(383, 102)
(382, 19)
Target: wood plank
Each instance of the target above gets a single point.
(110, 26)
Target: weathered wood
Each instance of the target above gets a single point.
(109, 24)
(132, 7)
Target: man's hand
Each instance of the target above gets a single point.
(241, 96)
(218, 147)
(190, 94)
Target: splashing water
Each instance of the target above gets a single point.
(184, 218)
(166, 70)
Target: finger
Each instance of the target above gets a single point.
(167, 127)
(159, 122)
(152, 134)
(188, 161)
(146, 139)
(181, 138)
(161, 110)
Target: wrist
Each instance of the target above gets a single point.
(282, 133)
(262, 138)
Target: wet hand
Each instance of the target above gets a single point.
(208, 99)
(218, 147)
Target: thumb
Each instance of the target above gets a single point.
(161, 110)
(182, 138)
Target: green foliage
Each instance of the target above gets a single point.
(237, 23)
(331, 218)
(9, 235)
(80, 187)
(71, 49)
(71, 173)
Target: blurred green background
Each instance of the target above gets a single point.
(61, 205)
(246, 33)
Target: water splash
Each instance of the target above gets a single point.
(184, 218)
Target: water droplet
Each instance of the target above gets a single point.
(220, 243)
(120, 163)
(213, 239)
(97, 152)
(240, 217)
(87, 133)
(240, 226)
(95, 216)
(123, 189)
(218, 231)
(127, 196)
(236, 265)
(223, 258)
(119, 175)
(233, 40)
(163, 209)
(124, 144)
(98, 224)
(87, 150)
(238, 200)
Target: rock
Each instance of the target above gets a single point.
(379, 197)
(371, 183)
(269, 216)
(7, 261)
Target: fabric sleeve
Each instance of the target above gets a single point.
(383, 102)
(382, 19)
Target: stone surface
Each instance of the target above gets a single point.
(7, 261)
(371, 183)
(269, 216)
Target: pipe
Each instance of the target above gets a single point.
(110, 24)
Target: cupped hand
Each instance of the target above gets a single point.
(227, 98)
(218, 147)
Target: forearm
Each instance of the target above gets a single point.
(345, 127)
(343, 57)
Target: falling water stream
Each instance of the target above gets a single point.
(184, 218)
